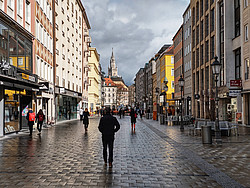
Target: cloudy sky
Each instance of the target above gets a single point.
(136, 29)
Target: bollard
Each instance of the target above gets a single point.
(206, 134)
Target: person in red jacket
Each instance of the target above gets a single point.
(31, 119)
(108, 126)
(39, 119)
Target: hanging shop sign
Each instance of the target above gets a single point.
(234, 93)
(235, 83)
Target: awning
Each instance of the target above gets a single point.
(245, 91)
(6, 80)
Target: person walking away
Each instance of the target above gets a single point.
(86, 119)
(140, 112)
(120, 113)
(40, 117)
(123, 113)
(31, 116)
(108, 126)
(133, 116)
(81, 113)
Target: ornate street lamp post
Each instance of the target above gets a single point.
(216, 67)
(181, 84)
(156, 93)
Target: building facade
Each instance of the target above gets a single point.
(140, 88)
(131, 96)
(178, 67)
(167, 73)
(18, 83)
(245, 17)
(43, 54)
(94, 81)
(187, 46)
(110, 93)
(203, 35)
(72, 53)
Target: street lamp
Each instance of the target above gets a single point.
(156, 93)
(181, 85)
(216, 67)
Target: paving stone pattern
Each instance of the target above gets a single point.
(65, 156)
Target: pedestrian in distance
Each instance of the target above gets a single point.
(81, 113)
(39, 119)
(108, 126)
(86, 119)
(123, 113)
(31, 116)
(120, 113)
(133, 116)
(141, 113)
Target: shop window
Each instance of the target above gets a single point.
(11, 111)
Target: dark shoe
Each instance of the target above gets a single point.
(110, 165)
(105, 164)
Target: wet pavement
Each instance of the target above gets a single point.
(152, 156)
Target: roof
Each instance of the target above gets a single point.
(109, 82)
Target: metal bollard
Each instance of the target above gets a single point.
(206, 134)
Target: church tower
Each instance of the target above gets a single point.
(112, 68)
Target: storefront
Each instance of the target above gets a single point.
(67, 104)
(17, 83)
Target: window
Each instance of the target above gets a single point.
(246, 69)
(246, 33)
(11, 4)
(237, 17)
(197, 11)
(27, 12)
(68, 84)
(201, 7)
(206, 25)
(206, 4)
(172, 72)
(212, 20)
(237, 64)
(212, 48)
(20, 7)
(172, 59)
(172, 84)
(245, 3)
(206, 51)
(202, 30)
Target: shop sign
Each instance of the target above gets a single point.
(235, 83)
(32, 78)
(162, 98)
(234, 93)
(62, 90)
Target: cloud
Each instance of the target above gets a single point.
(136, 29)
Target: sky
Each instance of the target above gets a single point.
(135, 29)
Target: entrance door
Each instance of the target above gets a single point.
(25, 103)
(45, 109)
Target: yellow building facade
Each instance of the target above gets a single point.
(167, 71)
(94, 92)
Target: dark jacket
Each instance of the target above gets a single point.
(30, 123)
(85, 118)
(133, 118)
(37, 118)
(108, 126)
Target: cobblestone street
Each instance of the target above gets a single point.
(154, 156)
